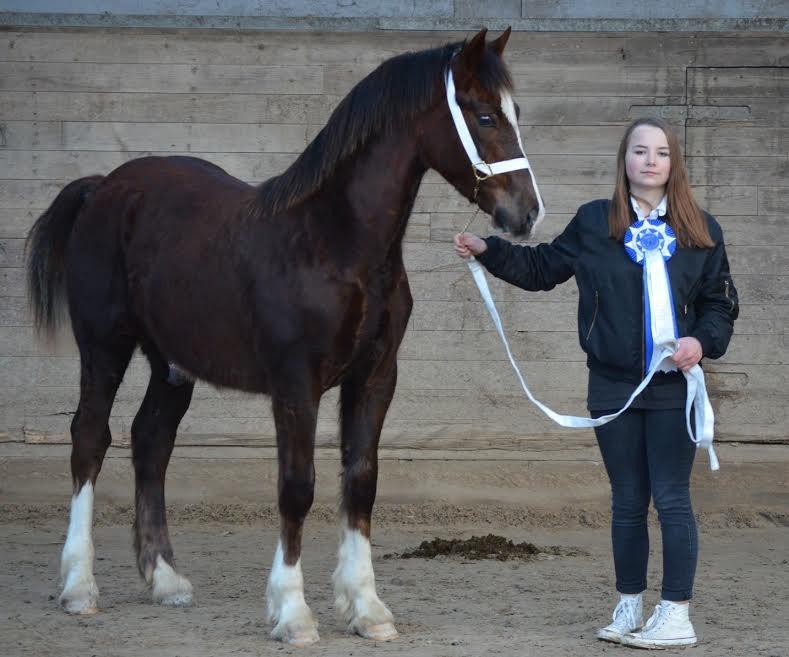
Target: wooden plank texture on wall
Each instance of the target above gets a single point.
(178, 78)
(74, 102)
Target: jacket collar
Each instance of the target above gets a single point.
(656, 213)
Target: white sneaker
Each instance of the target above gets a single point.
(628, 617)
(669, 627)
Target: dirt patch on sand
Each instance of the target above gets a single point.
(490, 546)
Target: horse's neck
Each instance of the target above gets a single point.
(381, 188)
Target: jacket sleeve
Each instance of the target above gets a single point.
(540, 267)
(717, 304)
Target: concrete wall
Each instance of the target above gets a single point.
(80, 101)
(368, 15)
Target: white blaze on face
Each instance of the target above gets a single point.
(508, 108)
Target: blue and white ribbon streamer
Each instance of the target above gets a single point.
(651, 244)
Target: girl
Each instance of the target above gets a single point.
(647, 451)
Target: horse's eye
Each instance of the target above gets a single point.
(485, 120)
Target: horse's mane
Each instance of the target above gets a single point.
(390, 96)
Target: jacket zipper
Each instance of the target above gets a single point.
(594, 316)
(726, 292)
(643, 338)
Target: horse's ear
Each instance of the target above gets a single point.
(473, 51)
(497, 46)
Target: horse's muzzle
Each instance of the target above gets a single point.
(511, 223)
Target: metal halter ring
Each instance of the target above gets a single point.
(479, 177)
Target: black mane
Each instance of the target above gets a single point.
(391, 95)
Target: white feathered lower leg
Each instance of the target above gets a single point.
(80, 594)
(356, 599)
(287, 609)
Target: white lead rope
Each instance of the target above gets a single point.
(697, 399)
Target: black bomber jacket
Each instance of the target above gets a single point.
(610, 306)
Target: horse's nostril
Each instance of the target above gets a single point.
(533, 214)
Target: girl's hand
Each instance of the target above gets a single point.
(468, 244)
(688, 354)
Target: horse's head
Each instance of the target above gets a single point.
(479, 121)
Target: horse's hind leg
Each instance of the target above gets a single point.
(153, 437)
(102, 370)
(295, 422)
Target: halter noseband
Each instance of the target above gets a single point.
(482, 170)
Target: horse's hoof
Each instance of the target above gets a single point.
(78, 604)
(303, 640)
(299, 637)
(80, 595)
(170, 588)
(181, 599)
(380, 632)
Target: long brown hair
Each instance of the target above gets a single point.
(684, 215)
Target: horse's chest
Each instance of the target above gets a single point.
(357, 333)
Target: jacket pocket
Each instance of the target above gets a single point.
(692, 294)
(686, 319)
(686, 312)
(731, 296)
(588, 331)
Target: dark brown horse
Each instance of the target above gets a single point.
(288, 289)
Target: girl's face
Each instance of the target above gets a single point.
(647, 160)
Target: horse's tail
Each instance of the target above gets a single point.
(46, 253)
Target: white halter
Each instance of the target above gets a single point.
(482, 169)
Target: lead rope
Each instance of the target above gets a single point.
(696, 395)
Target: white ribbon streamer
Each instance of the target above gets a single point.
(658, 297)
(697, 399)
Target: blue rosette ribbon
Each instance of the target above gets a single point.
(650, 243)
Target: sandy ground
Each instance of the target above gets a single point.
(443, 607)
(223, 520)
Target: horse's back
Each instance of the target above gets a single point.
(166, 200)
(177, 174)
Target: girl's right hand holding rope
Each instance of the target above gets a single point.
(468, 244)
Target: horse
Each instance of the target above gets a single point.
(287, 289)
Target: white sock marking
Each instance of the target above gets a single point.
(80, 593)
(354, 588)
(170, 588)
(286, 605)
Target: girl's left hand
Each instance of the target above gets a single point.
(688, 354)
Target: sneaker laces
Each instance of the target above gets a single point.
(656, 619)
(627, 610)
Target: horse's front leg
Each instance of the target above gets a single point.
(287, 609)
(364, 404)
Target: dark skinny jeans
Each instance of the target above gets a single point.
(648, 453)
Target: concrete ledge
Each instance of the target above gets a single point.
(395, 23)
